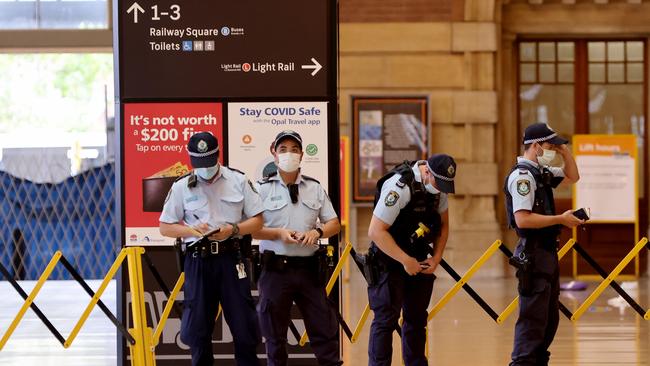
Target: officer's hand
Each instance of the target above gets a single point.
(202, 228)
(429, 265)
(225, 232)
(412, 266)
(310, 238)
(569, 220)
(287, 236)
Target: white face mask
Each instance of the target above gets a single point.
(207, 173)
(288, 162)
(547, 157)
(430, 188)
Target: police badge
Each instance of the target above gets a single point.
(391, 199)
(523, 187)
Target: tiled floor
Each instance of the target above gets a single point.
(610, 333)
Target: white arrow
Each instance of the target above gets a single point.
(316, 66)
(135, 9)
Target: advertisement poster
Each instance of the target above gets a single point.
(252, 127)
(608, 176)
(386, 132)
(155, 141)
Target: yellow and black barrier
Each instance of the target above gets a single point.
(143, 340)
(139, 337)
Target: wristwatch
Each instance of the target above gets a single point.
(235, 229)
(320, 232)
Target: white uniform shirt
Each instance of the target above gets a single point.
(395, 197)
(230, 198)
(279, 212)
(522, 185)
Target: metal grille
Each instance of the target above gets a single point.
(76, 216)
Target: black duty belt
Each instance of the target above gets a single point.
(213, 248)
(549, 244)
(274, 262)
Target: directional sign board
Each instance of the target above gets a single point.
(198, 48)
(242, 69)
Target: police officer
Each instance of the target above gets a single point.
(531, 212)
(410, 214)
(298, 212)
(217, 199)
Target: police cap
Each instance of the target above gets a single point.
(203, 149)
(540, 132)
(443, 169)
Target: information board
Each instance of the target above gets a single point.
(386, 132)
(608, 177)
(189, 66)
(243, 48)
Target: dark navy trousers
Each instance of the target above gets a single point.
(278, 290)
(397, 292)
(539, 314)
(211, 281)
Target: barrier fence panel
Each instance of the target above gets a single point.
(75, 216)
(143, 339)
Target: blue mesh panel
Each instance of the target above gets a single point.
(76, 216)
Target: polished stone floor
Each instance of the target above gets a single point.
(609, 333)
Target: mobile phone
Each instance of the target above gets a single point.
(581, 214)
(424, 265)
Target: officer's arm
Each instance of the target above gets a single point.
(378, 233)
(444, 234)
(571, 174)
(528, 220)
(177, 230)
(267, 233)
(331, 228)
(251, 225)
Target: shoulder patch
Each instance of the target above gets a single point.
(400, 184)
(252, 186)
(523, 187)
(523, 171)
(391, 199)
(306, 177)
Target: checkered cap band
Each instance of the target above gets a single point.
(540, 139)
(438, 175)
(204, 154)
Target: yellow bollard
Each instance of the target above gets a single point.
(141, 353)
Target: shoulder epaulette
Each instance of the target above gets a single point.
(237, 170)
(182, 176)
(306, 177)
(267, 178)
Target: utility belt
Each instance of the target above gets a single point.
(524, 262)
(230, 246)
(374, 263)
(321, 263)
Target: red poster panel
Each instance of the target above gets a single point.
(155, 155)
